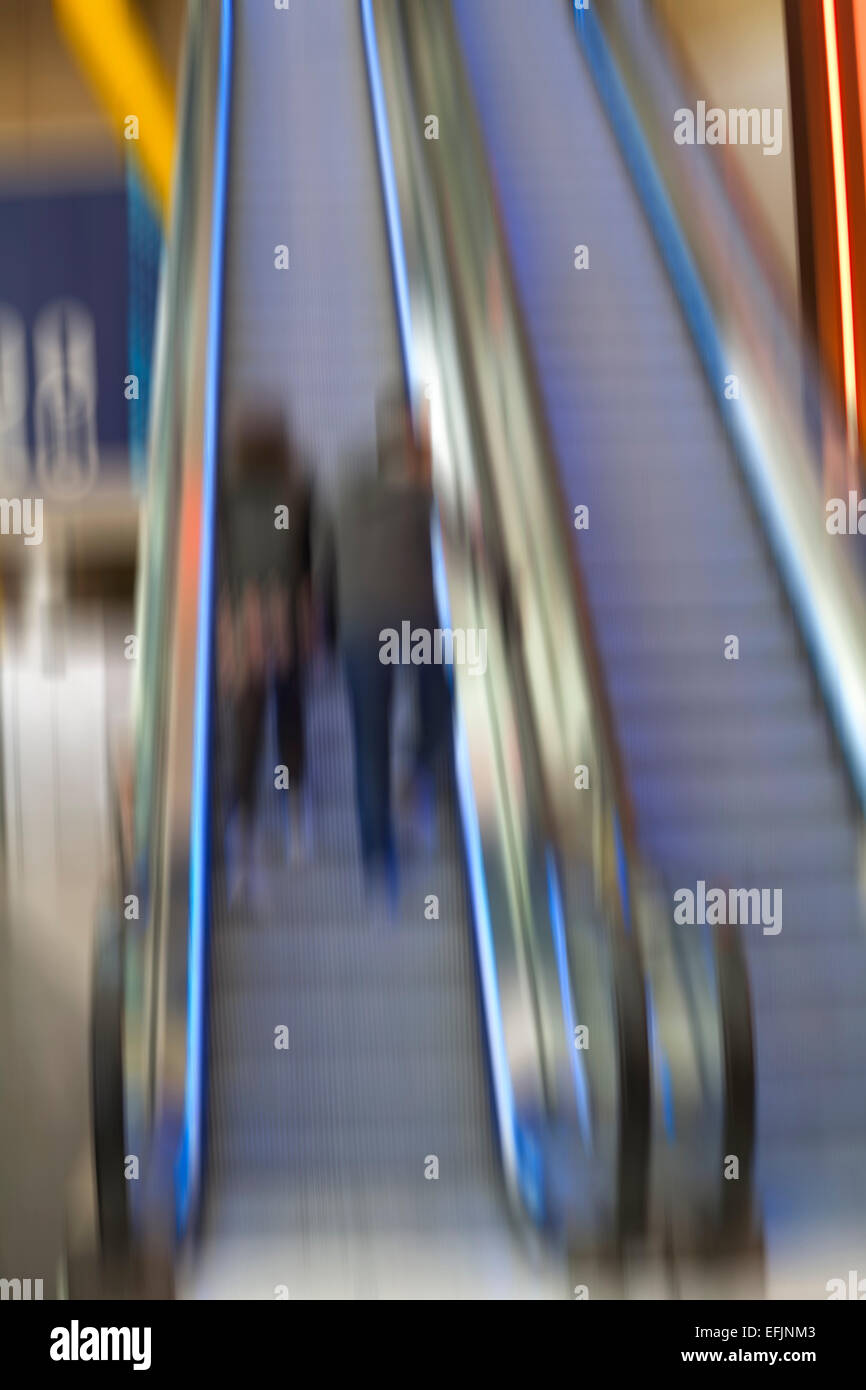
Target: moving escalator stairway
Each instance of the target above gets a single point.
(308, 1168)
(339, 254)
(738, 777)
(320, 1150)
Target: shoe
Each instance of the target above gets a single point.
(244, 886)
(237, 885)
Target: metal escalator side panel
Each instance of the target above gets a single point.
(736, 781)
(557, 695)
(168, 617)
(188, 1175)
(494, 964)
(578, 402)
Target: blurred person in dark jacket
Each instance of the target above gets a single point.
(265, 620)
(374, 572)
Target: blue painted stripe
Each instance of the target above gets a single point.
(622, 873)
(557, 922)
(661, 1065)
(189, 1164)
(653, 195)
(501, 1072)
(668, 1098)
(388, 175)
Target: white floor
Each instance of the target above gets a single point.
(449, 1266)
(64, 694)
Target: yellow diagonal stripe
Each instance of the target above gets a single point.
(119, 58)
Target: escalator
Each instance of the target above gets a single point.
(464, 1106)
(317, 1167)
(426, 1127)
(738, 777)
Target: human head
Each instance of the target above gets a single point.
(263, 452)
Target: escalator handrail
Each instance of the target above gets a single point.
(630, 1003)
(162, 998)
(157, 579)
(521, 1180)
(121, 957)
(191, 1152)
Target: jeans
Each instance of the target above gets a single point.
(371, 688)
(250, 707)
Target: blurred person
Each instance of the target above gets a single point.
(265, 623)
(374, 572)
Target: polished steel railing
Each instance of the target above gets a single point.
(162, 1096)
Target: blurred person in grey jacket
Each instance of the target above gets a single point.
(264, 619)
(374, 571)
